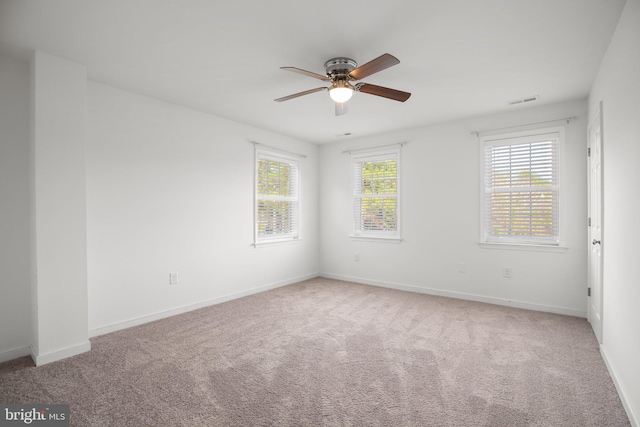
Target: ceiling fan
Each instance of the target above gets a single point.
(341, 72)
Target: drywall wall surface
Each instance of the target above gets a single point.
(59, 297)
(618, 87)
(170, 190)
(15, 306)
(440, 190)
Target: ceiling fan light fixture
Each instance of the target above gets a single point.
(341, 91)
(340, 94)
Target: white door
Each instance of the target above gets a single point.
(595, 226)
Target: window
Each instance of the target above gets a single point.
(376, 200)
(276, 197)
(521, 191)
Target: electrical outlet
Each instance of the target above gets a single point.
(462, 267)
(173, 278)
(356, 256)
(506, 272)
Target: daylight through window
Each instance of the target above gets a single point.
(521, 201)
(277, 206)
(376, 195)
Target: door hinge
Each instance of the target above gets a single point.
(589, 222)
(588, 292)
(589, 152)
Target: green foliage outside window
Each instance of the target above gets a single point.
(274, 178)
(274, 217)
(378, 178)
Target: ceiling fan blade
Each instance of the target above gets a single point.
(342, 108)
(307, 73)
(396, 95)
(380, 63)
(295, 95)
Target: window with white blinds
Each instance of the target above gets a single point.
(276, 197)
(521, 200)
(376, 200)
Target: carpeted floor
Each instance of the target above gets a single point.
(330, 353)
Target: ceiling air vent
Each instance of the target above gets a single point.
(524, 100)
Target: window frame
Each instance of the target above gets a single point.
(516, 138)
(380, 155)
(277, 156)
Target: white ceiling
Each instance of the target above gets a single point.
(459, 58)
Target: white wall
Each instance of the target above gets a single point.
(170, 189)
(15, 307)
(59, 251)
(440, 219)
(618, 87)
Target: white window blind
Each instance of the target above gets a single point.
(376, 196)
(277, 197)
(521, 189)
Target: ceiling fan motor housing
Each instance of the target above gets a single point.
(337, 66)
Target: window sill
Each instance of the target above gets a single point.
(376, 239)
(270, 243)
(523, 247)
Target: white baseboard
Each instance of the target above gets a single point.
(54, 356)
(15, 353)
(460, 295)
(179, 310)
(633, 417)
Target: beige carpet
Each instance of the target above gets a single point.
(330, 353)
